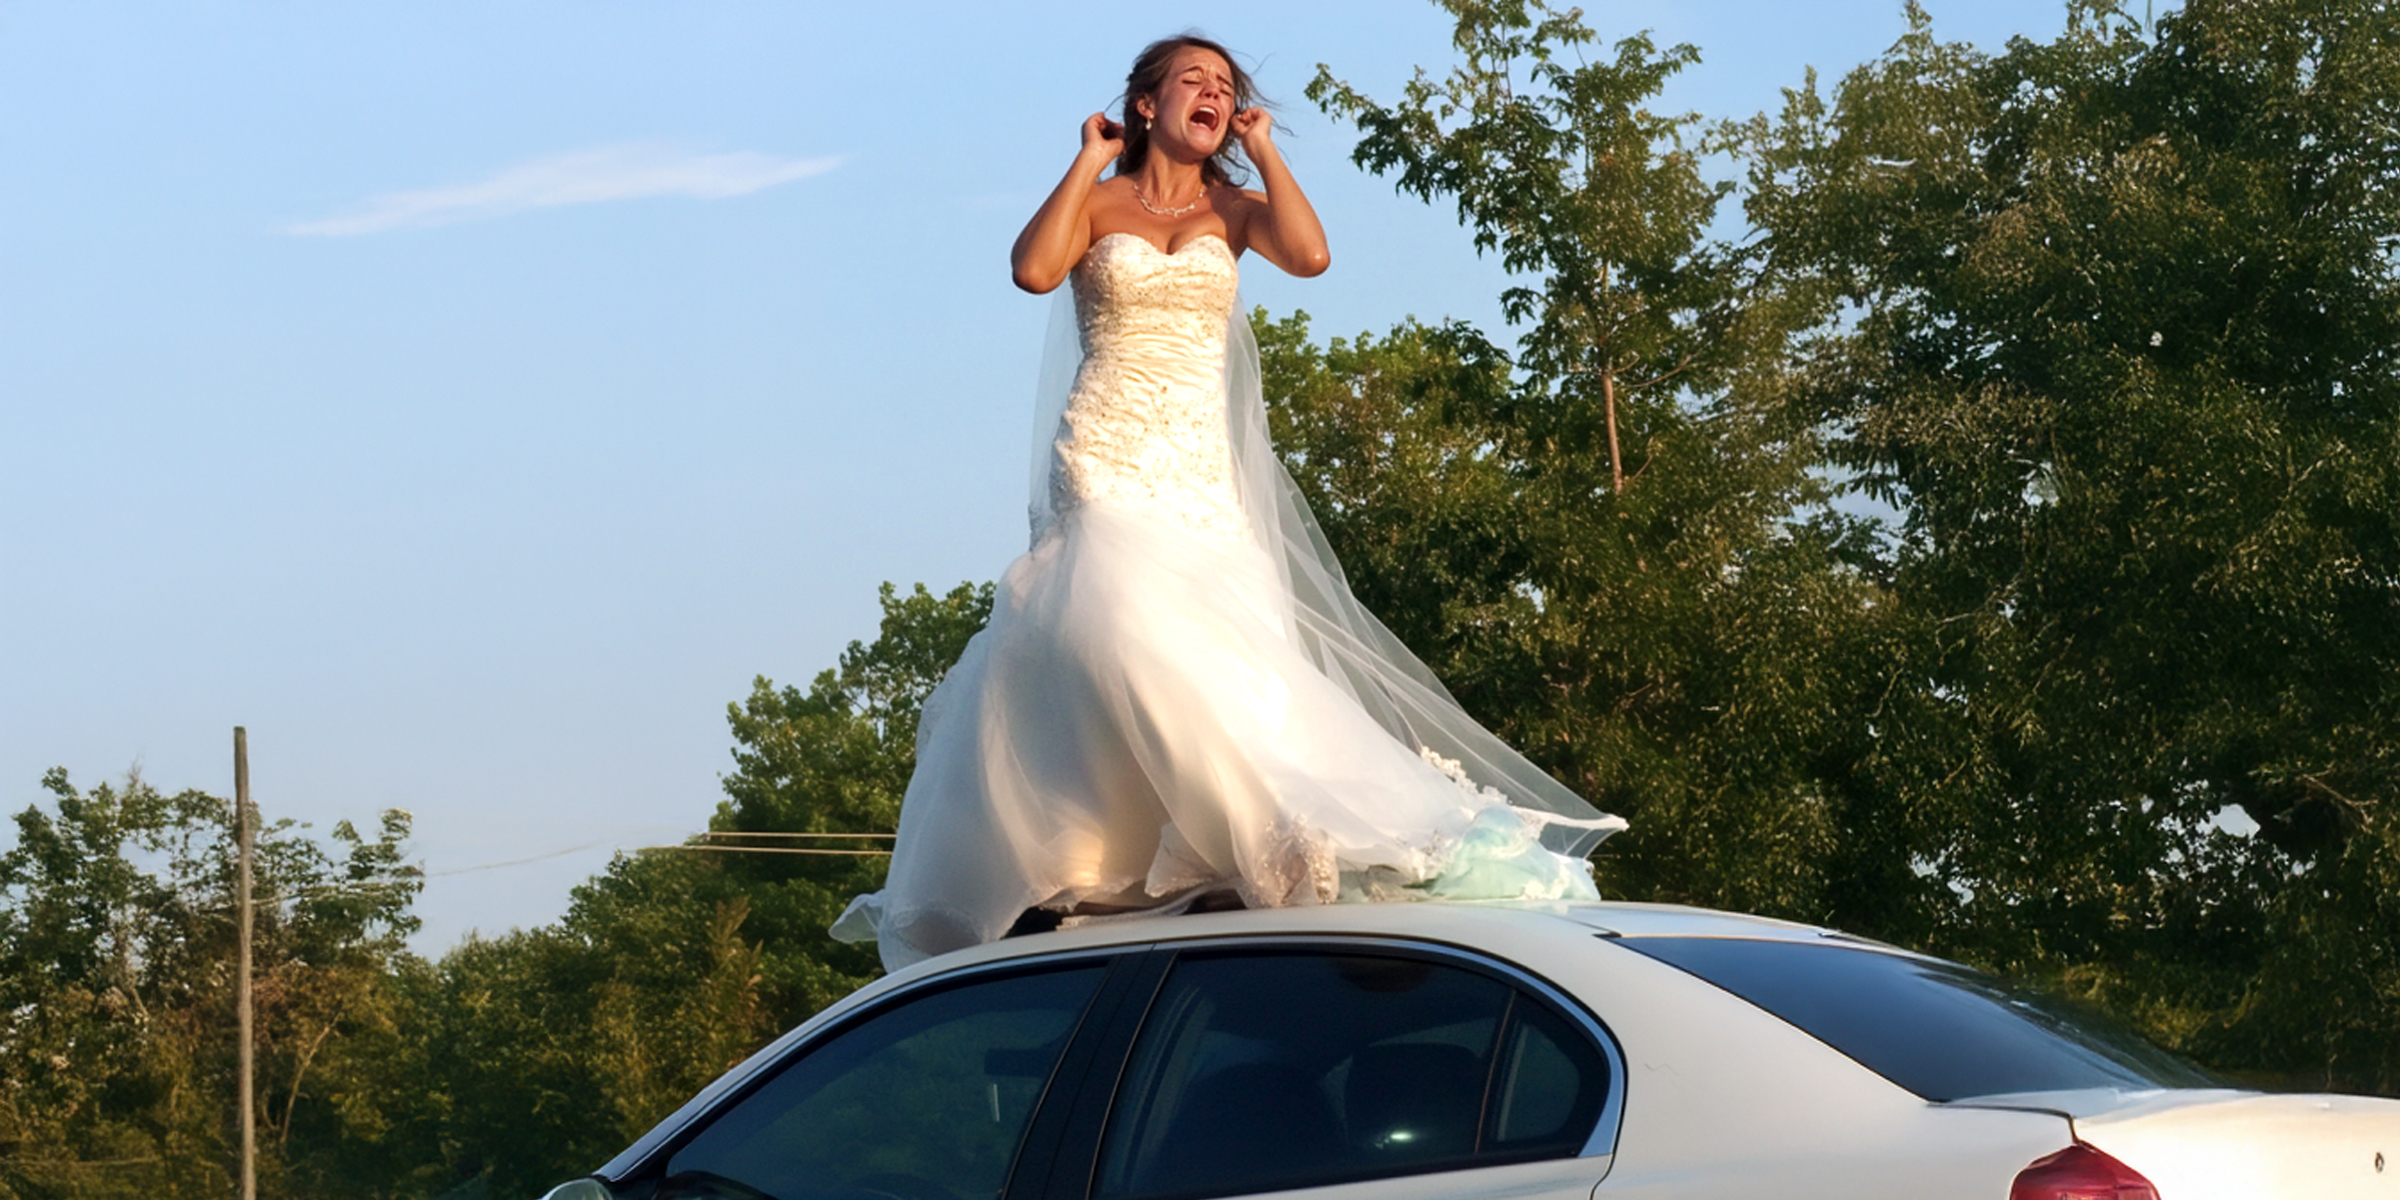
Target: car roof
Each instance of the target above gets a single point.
(1430, 920)
(1628, 919)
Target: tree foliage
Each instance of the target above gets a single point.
(506, 1066)
(2112, 321)
(562, 1044)
(2107, 324)
(116, 994)
(1675, 640)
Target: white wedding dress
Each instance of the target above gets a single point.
(1176, 693)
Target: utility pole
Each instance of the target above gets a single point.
(243, 835)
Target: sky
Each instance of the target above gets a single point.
(471, 399)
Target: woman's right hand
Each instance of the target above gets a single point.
(1059, 232)
(1103, 136)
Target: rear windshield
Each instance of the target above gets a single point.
(1938, 1029)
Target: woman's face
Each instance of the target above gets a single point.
(1191, 110)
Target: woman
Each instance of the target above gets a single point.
(1177, 697)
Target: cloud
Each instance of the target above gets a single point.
(583, 177)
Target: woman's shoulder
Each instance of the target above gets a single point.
(1108, 197)
(1235, 195)
(1236, 205)
(1112, 191)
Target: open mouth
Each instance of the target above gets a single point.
(1205, 117)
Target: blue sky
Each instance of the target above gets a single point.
(471, 398)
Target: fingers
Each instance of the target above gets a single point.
(1097, 128)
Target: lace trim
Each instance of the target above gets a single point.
(1299, 867)
(1458, 775)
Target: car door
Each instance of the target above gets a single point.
(925, 1095)
(1359, 1065)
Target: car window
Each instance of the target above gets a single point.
(1551, 1087)
(926, 1100)
(1937, 1029)
(1263, 1071)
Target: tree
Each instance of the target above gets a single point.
(2112, 321)
(116, 1029)
(1651, 599)
(836, 759)
(556, 1047)
(553, 1048)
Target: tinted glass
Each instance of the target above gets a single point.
(1262, 1072)
(1551, 1085)
(924, 1101)
(1940, 1030)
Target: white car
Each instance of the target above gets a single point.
(1508, 1051)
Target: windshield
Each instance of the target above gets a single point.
(1938, 1029)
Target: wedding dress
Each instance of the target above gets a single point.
(1176, 692)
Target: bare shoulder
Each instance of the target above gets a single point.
(1110, 194)
(1243, 200)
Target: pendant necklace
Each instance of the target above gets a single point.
(1156, 211)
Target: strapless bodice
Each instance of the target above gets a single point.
(1144, 428)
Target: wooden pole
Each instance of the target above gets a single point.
(243, 836)
(1616, 457)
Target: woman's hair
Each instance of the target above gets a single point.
(1150, 73)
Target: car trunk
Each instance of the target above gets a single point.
(2225, 1145)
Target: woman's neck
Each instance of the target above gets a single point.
(1167, 183)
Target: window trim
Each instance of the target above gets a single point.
(1102, 1084)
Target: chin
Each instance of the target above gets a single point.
(1184, 149)
(1201, 140)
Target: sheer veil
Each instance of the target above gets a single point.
(1324, 620)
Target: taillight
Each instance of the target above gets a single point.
(2080, 1173)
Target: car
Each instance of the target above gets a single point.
(1515, 1051)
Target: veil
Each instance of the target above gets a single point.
(1331, 628)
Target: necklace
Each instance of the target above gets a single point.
(1156, 211)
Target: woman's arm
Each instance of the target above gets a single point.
(1282, 226)
(1055, 239)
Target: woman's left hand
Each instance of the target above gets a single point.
(1280, 225)
(1254, 129)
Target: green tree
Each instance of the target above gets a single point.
(836, 759)
(116, 981)
(1650, 598)
(554, 1048)
(2112, 321)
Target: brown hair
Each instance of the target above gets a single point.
(1150, 73)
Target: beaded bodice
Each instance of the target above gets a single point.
(1144, 428)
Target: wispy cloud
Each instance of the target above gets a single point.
(583, 177)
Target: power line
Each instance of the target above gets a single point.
(517, 862)
(775, 850)
(728, 833)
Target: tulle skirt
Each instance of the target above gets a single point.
(1137, 725)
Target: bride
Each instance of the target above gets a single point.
(1177, 697)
